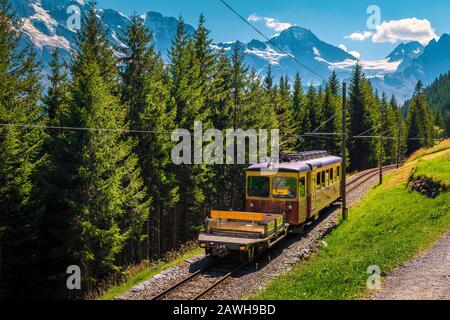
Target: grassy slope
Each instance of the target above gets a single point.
(388, 227)
(146, 274)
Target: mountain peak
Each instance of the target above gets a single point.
(408, 51)
(297, 33)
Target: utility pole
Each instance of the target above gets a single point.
(344, 151)
(381, 146)
(398, 142)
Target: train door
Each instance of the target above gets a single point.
(303, 198)
(312, 192)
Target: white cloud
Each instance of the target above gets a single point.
(343, 47)
(409, 29)
(356, 54)
(360, 36)
(271, 23)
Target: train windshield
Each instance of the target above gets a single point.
(285, 188)
(258, 187)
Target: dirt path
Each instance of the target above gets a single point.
(425, 278)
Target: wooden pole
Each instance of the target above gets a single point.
(344, 151)
(381, 146)
(398, 142)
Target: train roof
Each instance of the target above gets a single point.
(295, 166)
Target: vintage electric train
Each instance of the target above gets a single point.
(280, 198)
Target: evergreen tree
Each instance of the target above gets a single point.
(238, 83)
(283, 113)
(330, 111)
(390, 129)
(398, 129)
(186, 91)
(312, 117)
(145, 94)
(20, 92)
(360, 104)
(93, 183)
(420, 130)
(298, 108)
(334, 83)
(221, 104)
(56, 98)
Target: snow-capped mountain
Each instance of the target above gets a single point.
(295, 41)
(426, 65)
(45, 27)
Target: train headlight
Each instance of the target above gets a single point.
(251, 205)
(242, 248)
(202, 245)
(290, 207)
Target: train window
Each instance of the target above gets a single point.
(338, 169)
(258, 187)
(323, 178)
(302, 187)
(331, 175)
(284, 187)
(318, 186)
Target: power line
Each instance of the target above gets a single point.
(271, 41)
(322, 125)
(280, 49)
(31, 126)
(367, 131)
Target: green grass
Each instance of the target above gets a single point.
(438, 169)
(146, 274)
(388, 227)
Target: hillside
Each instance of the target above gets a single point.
(438, 96)
(390, 225)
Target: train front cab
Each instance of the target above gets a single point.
(299, 192)
(280, 193)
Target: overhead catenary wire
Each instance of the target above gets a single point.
(281, 50)
(271, 41)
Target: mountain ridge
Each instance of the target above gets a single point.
(45, 28)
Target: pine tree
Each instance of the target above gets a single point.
(98, 195)
(186, 91)
(420, 130)
(283, 113)
(145, 94)
(390, 129)
(56, 98)
(330, 111)
(20, 152)
(298, 108)
(221, 104)
(334, 83)
(360, 106)
(312, 117)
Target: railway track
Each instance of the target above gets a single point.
(199, 283)
(366, 176)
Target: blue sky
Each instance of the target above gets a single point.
(331, 21)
